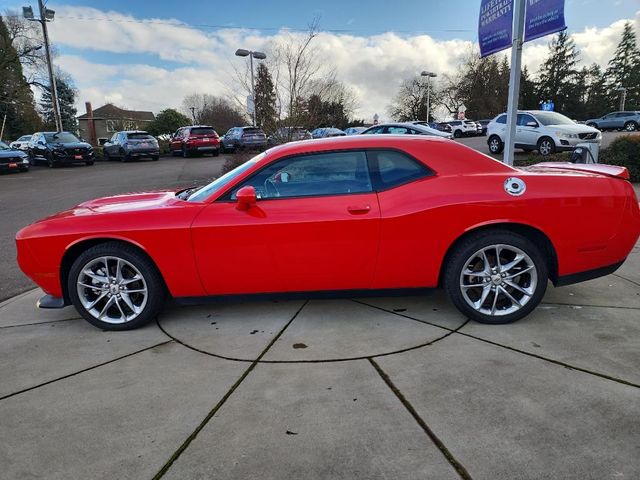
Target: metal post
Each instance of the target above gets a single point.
(514, 80)
(623, 97)
(54, 91)
(253, 90)
(428, 96)
(4, 120)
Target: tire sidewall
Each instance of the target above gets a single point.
(464, 250)
(155, 285)
(552, 146)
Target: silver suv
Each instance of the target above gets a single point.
(629, 121)
(540, 130)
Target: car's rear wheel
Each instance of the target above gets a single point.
(89, 163)
(50, 162)
(123, 156)
(496, 277)
(631, 126)
(496, 145)
(457, 133)
(216, 152)
(115, 287)
(155, 157)
(546, 146)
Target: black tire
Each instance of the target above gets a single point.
(456, 262)
(496, 145)
(123, 156)
(50, 162)
(155, 285)
(216, 152)
(457, 134)
(155, 157)
(89, 163)
(106, 156)
(546, 146)
(631, 126)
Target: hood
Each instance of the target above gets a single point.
(574, 128)
(69, 145)
(12, 154)
(130, 202)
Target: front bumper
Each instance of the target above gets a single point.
(64, 157)
(11, 166)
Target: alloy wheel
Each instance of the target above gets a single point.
(545, 147)
(112, 290)
(630, 127)
(494, 145)
(498, 280)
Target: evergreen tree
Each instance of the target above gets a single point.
(624, 71)
(558, 74)
(167, 122)
(16, 98)
(595, 99)
(66, 101)
(265, 101)
(528, 97)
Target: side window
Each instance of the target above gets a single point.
(390, 168)
(375, 130)
(523, 119)
(335, 173)
(622, 114)
(398, 130)
(501, 119)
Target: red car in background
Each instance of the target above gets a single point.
(195, 140)
(361, 214)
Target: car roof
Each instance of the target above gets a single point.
(134, 131)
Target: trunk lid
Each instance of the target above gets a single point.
(594, 168)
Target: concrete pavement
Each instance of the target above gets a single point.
(367, 388)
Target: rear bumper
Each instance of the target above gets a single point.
(587, 275)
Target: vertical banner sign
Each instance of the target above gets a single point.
(495, 26)
(543, 18)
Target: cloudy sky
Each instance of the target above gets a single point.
(148, 54)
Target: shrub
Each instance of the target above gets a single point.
(624, 151)
(534, 158)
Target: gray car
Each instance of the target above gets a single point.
(629, 121)
(129, 145)
(244, 138)
(405, 128)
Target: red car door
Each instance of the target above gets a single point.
(315, 227)
(176, 141)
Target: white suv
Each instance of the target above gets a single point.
(463, 128)
(547, 132)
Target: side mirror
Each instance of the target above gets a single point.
(246, 198)
(532, 124)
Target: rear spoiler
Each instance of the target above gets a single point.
(598, 168)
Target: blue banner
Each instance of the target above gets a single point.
(495, 26)
(543, 18)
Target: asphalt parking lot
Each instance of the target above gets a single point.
(365, 388)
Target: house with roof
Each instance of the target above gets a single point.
(97, 126)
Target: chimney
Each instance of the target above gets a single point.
(91, 126)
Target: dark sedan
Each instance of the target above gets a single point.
(59, 148)
(12, 160)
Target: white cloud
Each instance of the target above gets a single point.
(202, 61)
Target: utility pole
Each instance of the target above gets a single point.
(47, 15)
(429, 76)
(623, 97)
(193, 114)
(514, 80)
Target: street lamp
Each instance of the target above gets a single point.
(429, 76)
(46, 15)
(241, 52)
(623, 96)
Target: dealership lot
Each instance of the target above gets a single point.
(369, 388)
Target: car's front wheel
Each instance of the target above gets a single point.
(496, 145)
(546, 146)
(115, 287)
(496, 277)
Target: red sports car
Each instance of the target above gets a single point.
(360, 214)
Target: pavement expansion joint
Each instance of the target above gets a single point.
(47, 322)
(223, 400)
(93, 367)
(459, 331)
(627, 279)
(188, 345)
(580, 305)
(458, 467)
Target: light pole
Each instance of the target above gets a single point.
(47, 15)
(429, 76)
(623, 97)
(241, 52)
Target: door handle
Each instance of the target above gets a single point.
(359, 209)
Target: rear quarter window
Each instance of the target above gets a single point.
(390, 168)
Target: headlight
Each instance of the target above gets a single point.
(567, 135)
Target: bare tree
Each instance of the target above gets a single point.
(208, 109)
(26, 38)
(410, 103)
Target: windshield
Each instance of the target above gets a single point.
(221, 182)
(62, 137)
(4, 146)
(552, 118)
(24, 138)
